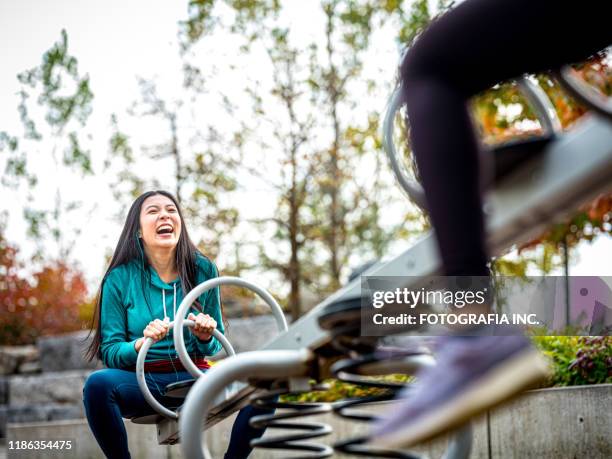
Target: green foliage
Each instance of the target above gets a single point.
(75, 155)
(119, 142)
(203, 18)
(338, 390)
(578, 360)
(65, 96)
(53, 127)
(127, 184)
(418, 18)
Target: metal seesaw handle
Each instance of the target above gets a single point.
(258, 364)
(584, 93)
(179, 341)
(413, 189)
(537, 98)
(541, 104)
(140, 373)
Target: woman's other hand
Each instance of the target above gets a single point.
(204, 326)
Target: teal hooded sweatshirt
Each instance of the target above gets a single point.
(133, 296)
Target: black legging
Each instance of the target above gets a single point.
(472, 47)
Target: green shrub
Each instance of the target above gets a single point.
(339, 390)
(578, 360)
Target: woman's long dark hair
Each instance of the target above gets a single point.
(129, 249)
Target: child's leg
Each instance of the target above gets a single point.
(475, 45)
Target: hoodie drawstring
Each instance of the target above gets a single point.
(173, 303)
(170, 357)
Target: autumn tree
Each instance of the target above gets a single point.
(354, 220)
(52, 300)
(502, 114)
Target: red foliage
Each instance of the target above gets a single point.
(591, 219)
(50, 302)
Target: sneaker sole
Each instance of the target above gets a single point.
(505, 382)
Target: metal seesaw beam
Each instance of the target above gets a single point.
(575, 167)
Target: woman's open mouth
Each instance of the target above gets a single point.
(165, 230)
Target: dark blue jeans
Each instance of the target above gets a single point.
(112, 394)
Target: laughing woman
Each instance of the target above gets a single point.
(153, 267)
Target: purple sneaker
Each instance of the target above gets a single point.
(472, 375)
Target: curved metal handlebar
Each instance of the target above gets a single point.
(264, 364)
(583, 93)
(541, 104)
(412, 188)
(140, 373)
(179, 342)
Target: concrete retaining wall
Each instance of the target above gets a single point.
(142, 440)
(552, 423)
(57, 387)
(572, 422)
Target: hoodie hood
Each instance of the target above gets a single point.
(159, 283)
(155, 279)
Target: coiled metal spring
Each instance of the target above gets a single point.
(367, 358)
(348, 370)
(361, 357)
(293, 441)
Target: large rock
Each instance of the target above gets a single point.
(60, 387)
(44, 413)
(12, 357)
(64, 352)
(28, 368)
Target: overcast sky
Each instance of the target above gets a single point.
(114, 41)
